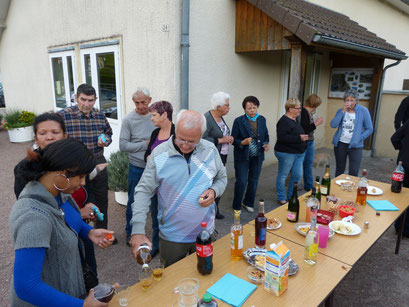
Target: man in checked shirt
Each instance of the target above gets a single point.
(91, 127)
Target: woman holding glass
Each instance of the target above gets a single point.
(217, 130)
(354, 126)
(289, 149)
(309, 125)
(251, 140)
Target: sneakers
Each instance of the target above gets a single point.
(219, 216)
(249, 209)
(281, 202)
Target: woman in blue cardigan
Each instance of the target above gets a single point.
(354, 126)
(250, 142)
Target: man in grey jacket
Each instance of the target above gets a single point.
(187, 174)
(136, 131)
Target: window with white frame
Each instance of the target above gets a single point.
(63, 77)
(101, 69)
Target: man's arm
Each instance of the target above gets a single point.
(220, 180)
(400, 113)
(125, 143)
(108, 131)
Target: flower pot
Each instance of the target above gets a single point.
(121, 197)
(20, 135)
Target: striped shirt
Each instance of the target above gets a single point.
(87, 129)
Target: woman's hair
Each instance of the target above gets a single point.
(64, 155)
(313, 101)
(46, 117)
(162, 107)
(219, 99)
(351, 93)
(251, 99)
(292, 103)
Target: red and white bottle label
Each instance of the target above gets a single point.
(398, 176)
(204, 250)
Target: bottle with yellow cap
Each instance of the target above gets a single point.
(236, 235)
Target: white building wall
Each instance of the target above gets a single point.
(149, 56)
(214, 66)
(387, 22)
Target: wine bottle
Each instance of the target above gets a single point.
(326, 182)
(293, 206)
(317, 189)
(261, 226)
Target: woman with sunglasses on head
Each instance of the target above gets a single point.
(45, 224)
(48, 128)
(217, 130)
(162, 118)
(251, 140)
(289, 149)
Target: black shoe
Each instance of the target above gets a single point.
(115, 241)
(219, 216)
(128, 240)
(154, 252)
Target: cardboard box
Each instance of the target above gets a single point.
(276, 269)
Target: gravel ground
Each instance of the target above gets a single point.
(379, 278)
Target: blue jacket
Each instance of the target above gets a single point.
(363, 127)
(241, 130)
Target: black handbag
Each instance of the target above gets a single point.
(90, 277)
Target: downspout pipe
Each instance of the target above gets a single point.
(378, 107)
(185, 54)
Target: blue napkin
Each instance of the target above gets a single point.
(382, 205)
(232, 290)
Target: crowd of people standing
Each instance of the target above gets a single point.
(176, 172)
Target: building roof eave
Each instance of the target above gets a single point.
(336, 42)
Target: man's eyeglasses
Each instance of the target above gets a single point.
(140, 102)
(180, 142)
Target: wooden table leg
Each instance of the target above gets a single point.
(329, 301)
(400, 231)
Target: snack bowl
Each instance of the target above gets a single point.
(255, 275)
(333, 203)
(347, 186)
(345, 210)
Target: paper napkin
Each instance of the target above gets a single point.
(232, 290)
(382, 205)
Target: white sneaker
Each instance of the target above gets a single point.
(249, 209)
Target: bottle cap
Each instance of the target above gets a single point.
(203, 224)
(207, 298)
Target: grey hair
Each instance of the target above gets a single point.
(142, 90)
(352, 93)
(191, 119)
(219, 99)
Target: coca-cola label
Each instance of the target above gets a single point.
(204, 250)
(398, 176)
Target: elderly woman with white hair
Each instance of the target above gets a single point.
(354, 126)
(217, 130)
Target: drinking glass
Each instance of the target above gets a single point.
(122, 294)
(157, 269)
(323, 232)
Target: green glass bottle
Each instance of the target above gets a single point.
(326, 182)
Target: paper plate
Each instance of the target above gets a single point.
(299, 225)
(355, 229)
(273, 228)
(340, 181)
(374, 190)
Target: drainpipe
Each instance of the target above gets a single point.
(185, 54)
(378, 107)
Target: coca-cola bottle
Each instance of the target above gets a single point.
(204, 251)
(397, 178)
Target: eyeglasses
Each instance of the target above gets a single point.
(180, 142)
(299, 108)
(140, 102)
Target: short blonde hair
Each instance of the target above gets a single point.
(292, 103)
(313, 101)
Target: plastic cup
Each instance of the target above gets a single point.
(323, 232)
(123, 295)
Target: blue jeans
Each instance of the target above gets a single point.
(155, 224)
(134, 175)
(308, 162)
(247, 173)
(288, 162)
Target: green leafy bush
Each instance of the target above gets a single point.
(16, 118)
(118, 169)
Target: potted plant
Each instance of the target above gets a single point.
(19, 124)
(118, 169)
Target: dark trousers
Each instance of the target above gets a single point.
(217, 200)
(171, 252)
(155, 224)
(355, 157)
(100, 189)
(247, 174)
(134, 175)
(89, 254)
